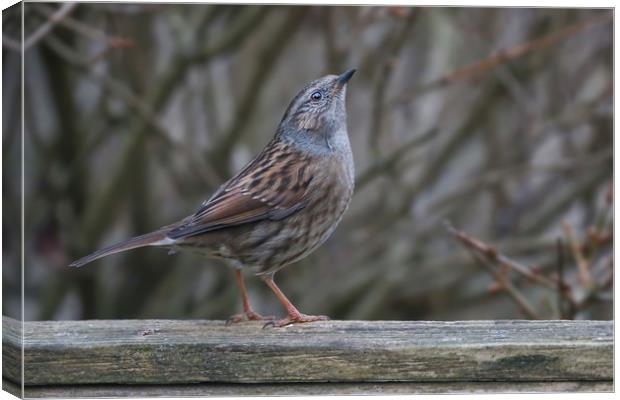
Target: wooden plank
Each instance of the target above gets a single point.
(12, 349)
(182, 352)
(304, 389)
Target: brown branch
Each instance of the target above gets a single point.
(390, 161)
(366, 16)
(608, 279)
(539, 219)
(564, 292)
(157, 98)
(476, 185)
(501, 57)
(440, 160)
(11, 44)
(601, 219)
(47, 27)
(487, 256)
(108, 82)
(561, 284)
(333, 53)
(80, 27)
(393, 45)
(111, 42)
(583, 266)
(236, 33)
(267, 58)
(491, 253)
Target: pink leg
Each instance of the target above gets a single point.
(294, 316)
(248, 314)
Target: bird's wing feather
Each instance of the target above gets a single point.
(273, 186)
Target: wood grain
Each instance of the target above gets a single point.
(170, 352)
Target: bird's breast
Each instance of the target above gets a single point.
(307, 229)
(269, 245)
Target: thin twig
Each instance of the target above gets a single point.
(267, 58)
(564, 294)
(236, 33)
(582, 264)
(540, 218)
(111, 42)
(599, 234)
(393, 45)
(440, 160)
(493, 255)
(11, 43)
(333, 53)
(44, 29)
(608, 279)
(481, 42)
(500, 57)
(487, 256)
(78, 26)
(119, 89)
(477, 184)
(388, 162)
(116, 86)
(156, 100)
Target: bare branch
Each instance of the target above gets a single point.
(564, 293)
(501, 57)
(11, 43)
(394, 44)
(111, 42)
(540, 218)
(477, 184)
(388, 162)
(582, 264)
(44, 29)
(157, 98)
(493, 255)
(268, 56)
(333, 53)
(236, 33)
(75, 25)
(58, 16)
(439, 161)
(487, 255)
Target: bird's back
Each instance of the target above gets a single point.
(272, 243)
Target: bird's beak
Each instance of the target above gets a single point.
(343, 78)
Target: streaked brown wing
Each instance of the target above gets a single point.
(273, 186)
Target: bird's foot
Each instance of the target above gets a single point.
(248, 316)
(296, 319)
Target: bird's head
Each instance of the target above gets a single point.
(319, 107)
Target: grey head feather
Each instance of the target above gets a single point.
(311, 123)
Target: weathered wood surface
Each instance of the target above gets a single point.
(400, 355)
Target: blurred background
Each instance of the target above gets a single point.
(497, 122)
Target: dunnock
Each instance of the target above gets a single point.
(281, 206)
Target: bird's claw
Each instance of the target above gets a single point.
(270, 323)
(296, 319)
(248, 316)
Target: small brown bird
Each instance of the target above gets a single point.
(281, 206)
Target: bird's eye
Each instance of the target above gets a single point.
(316, 96)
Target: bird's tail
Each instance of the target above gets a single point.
(149, 239)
